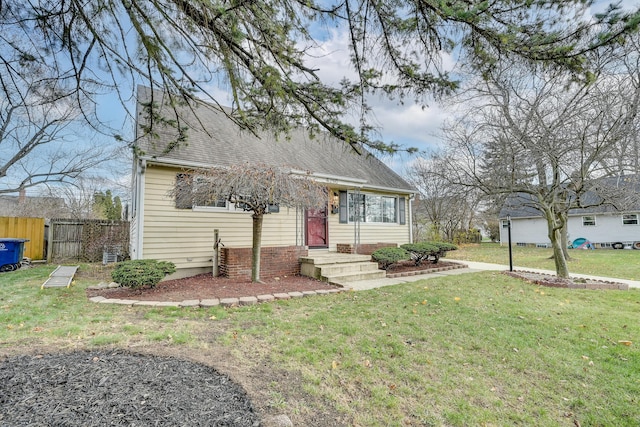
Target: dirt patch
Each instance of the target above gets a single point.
(205, 286)
(572, 282)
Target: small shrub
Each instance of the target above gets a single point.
(444, 247)
(141, 272)
(386, 257)
(431, 251)
(421, 251)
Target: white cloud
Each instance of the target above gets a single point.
(406, 124)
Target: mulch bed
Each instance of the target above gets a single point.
(572, 283)
(117, 388)
(205, 286)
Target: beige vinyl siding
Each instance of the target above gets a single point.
(186, 236)
(369, 233)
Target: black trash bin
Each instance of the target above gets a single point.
(11, 252)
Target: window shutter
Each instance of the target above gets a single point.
(343, 209)
(401, 210)
(184, 191)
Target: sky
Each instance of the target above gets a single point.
(407, 124)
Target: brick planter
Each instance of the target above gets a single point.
(235, 263)
(426, 270)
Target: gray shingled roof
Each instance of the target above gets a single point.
(623, 191)
(223, 143)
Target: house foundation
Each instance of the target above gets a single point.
(275, 261)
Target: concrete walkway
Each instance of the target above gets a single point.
(473, 267)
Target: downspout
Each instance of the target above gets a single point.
(142, 167)
(356, 221)
(411, 197)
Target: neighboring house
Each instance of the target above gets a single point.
(162, 228)
(602, 226)
(32, 206)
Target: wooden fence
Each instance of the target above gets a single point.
(87, 239)
(25, 228)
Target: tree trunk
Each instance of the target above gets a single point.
(562, 269)
(257, 242)
(564, 239)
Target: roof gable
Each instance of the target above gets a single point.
(215, 140)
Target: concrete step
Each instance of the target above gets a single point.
(334, 258)
(347, 268)
(340, 268)
(342, 279)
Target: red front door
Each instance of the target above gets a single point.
(317, 232)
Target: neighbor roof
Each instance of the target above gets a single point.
(215, 140)
(624, 190)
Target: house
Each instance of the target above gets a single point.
(32, 206)
(368, 205)
(601, 225)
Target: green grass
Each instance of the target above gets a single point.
(474, 349)
(463, 350)
(622, 264)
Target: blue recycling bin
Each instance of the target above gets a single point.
(11, 252)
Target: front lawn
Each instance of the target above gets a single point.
(623, 264)
(473, 349)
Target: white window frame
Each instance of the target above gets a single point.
(589, 221)
(630, 219)
(213, 206)
(365, 217)
(505, 223)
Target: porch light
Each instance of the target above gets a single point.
(335, 203)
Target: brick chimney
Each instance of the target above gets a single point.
(22, 196)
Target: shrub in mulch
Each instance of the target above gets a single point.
(387, 257)
(571, 283)
(141, 272)
(118, 388)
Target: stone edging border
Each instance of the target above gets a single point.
(575, 284)
(426, 271)
(215, 302)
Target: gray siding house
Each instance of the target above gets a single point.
(601, 225)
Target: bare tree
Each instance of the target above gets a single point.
(447, 207)
(623, 84)
(42, 140)
(262, 50)
(545, 137)
(257, 188)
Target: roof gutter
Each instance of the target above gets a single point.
(331, 179)
(349, 182)
(320, 177)
(173, 162)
